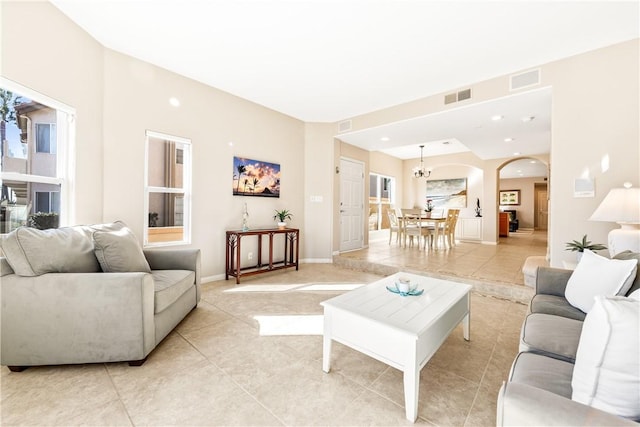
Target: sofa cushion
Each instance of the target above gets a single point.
(551, 335)
(169, 285)
(556, 305)
(32, 252)
(546, 373)
(607, 367)
(626, 255)
(119, 251)
(597, 275)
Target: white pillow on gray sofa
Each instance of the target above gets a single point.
(606, 374)
(32, 252)
(596, 275)
(119, 252)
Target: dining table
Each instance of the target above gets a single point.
(426, 220)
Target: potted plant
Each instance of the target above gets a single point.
(580, 245)
(428, 208)
(44, 220)
(282, 216)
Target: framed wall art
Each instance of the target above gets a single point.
(447, 193)
(255, 178)
(509, 197)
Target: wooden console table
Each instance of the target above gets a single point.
(233, 257)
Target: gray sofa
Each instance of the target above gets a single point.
(90, 294)
(539, 388)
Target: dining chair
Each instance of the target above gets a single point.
(394, 226)
(412, 227)
(448, 230)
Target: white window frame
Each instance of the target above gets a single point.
(65, 151)
(185, 190)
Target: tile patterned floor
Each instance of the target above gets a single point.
(216, 368)
(492, 269)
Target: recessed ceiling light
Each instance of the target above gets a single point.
(508, 139)
(174, 101)
(385, 138)
(519, 171)
(517, 153)
(230, 143)
(532, 161)
(528, 118)
(497, 117)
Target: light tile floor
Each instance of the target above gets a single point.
(216, 368)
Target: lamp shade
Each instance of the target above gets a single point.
(622, 205)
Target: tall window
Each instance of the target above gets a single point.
(167, 190)
(381, 197)
(35, 172)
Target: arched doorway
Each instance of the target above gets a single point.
(522, 204)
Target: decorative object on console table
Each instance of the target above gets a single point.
(282, 216)
(621, 205)
(509, 197)
(245, 218)
(255, 178)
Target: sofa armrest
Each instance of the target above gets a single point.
(63, 318)
(174, 259)
(552, 281)
(524, 405)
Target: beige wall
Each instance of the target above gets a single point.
(526, 208)
(43, 50)
(118, 98)
(319, 185)
(594, 113)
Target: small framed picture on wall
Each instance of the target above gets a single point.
(509, 197)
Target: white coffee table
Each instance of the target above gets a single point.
(403, 332)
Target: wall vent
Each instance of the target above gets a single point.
(344, 126)
(457, 96)
(526, 79)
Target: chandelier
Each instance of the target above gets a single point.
(420, 171)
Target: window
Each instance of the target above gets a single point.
(167, 190)
(47, 201)
(381, 197)
(35, 169)
(46, 138)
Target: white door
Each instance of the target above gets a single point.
(351, 204)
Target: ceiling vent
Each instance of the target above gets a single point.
(344, 126)
(457, 96)
(526, 79)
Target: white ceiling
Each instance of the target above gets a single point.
(329, 60)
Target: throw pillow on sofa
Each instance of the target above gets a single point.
(596, 275)
(119, 252)
(32, 252)
(606, 373)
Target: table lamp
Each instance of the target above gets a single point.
(622, 205)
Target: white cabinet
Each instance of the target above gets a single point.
(469, 229)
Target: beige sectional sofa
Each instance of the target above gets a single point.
(575, 367)
(89, 294)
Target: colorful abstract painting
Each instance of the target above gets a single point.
(255, 178)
